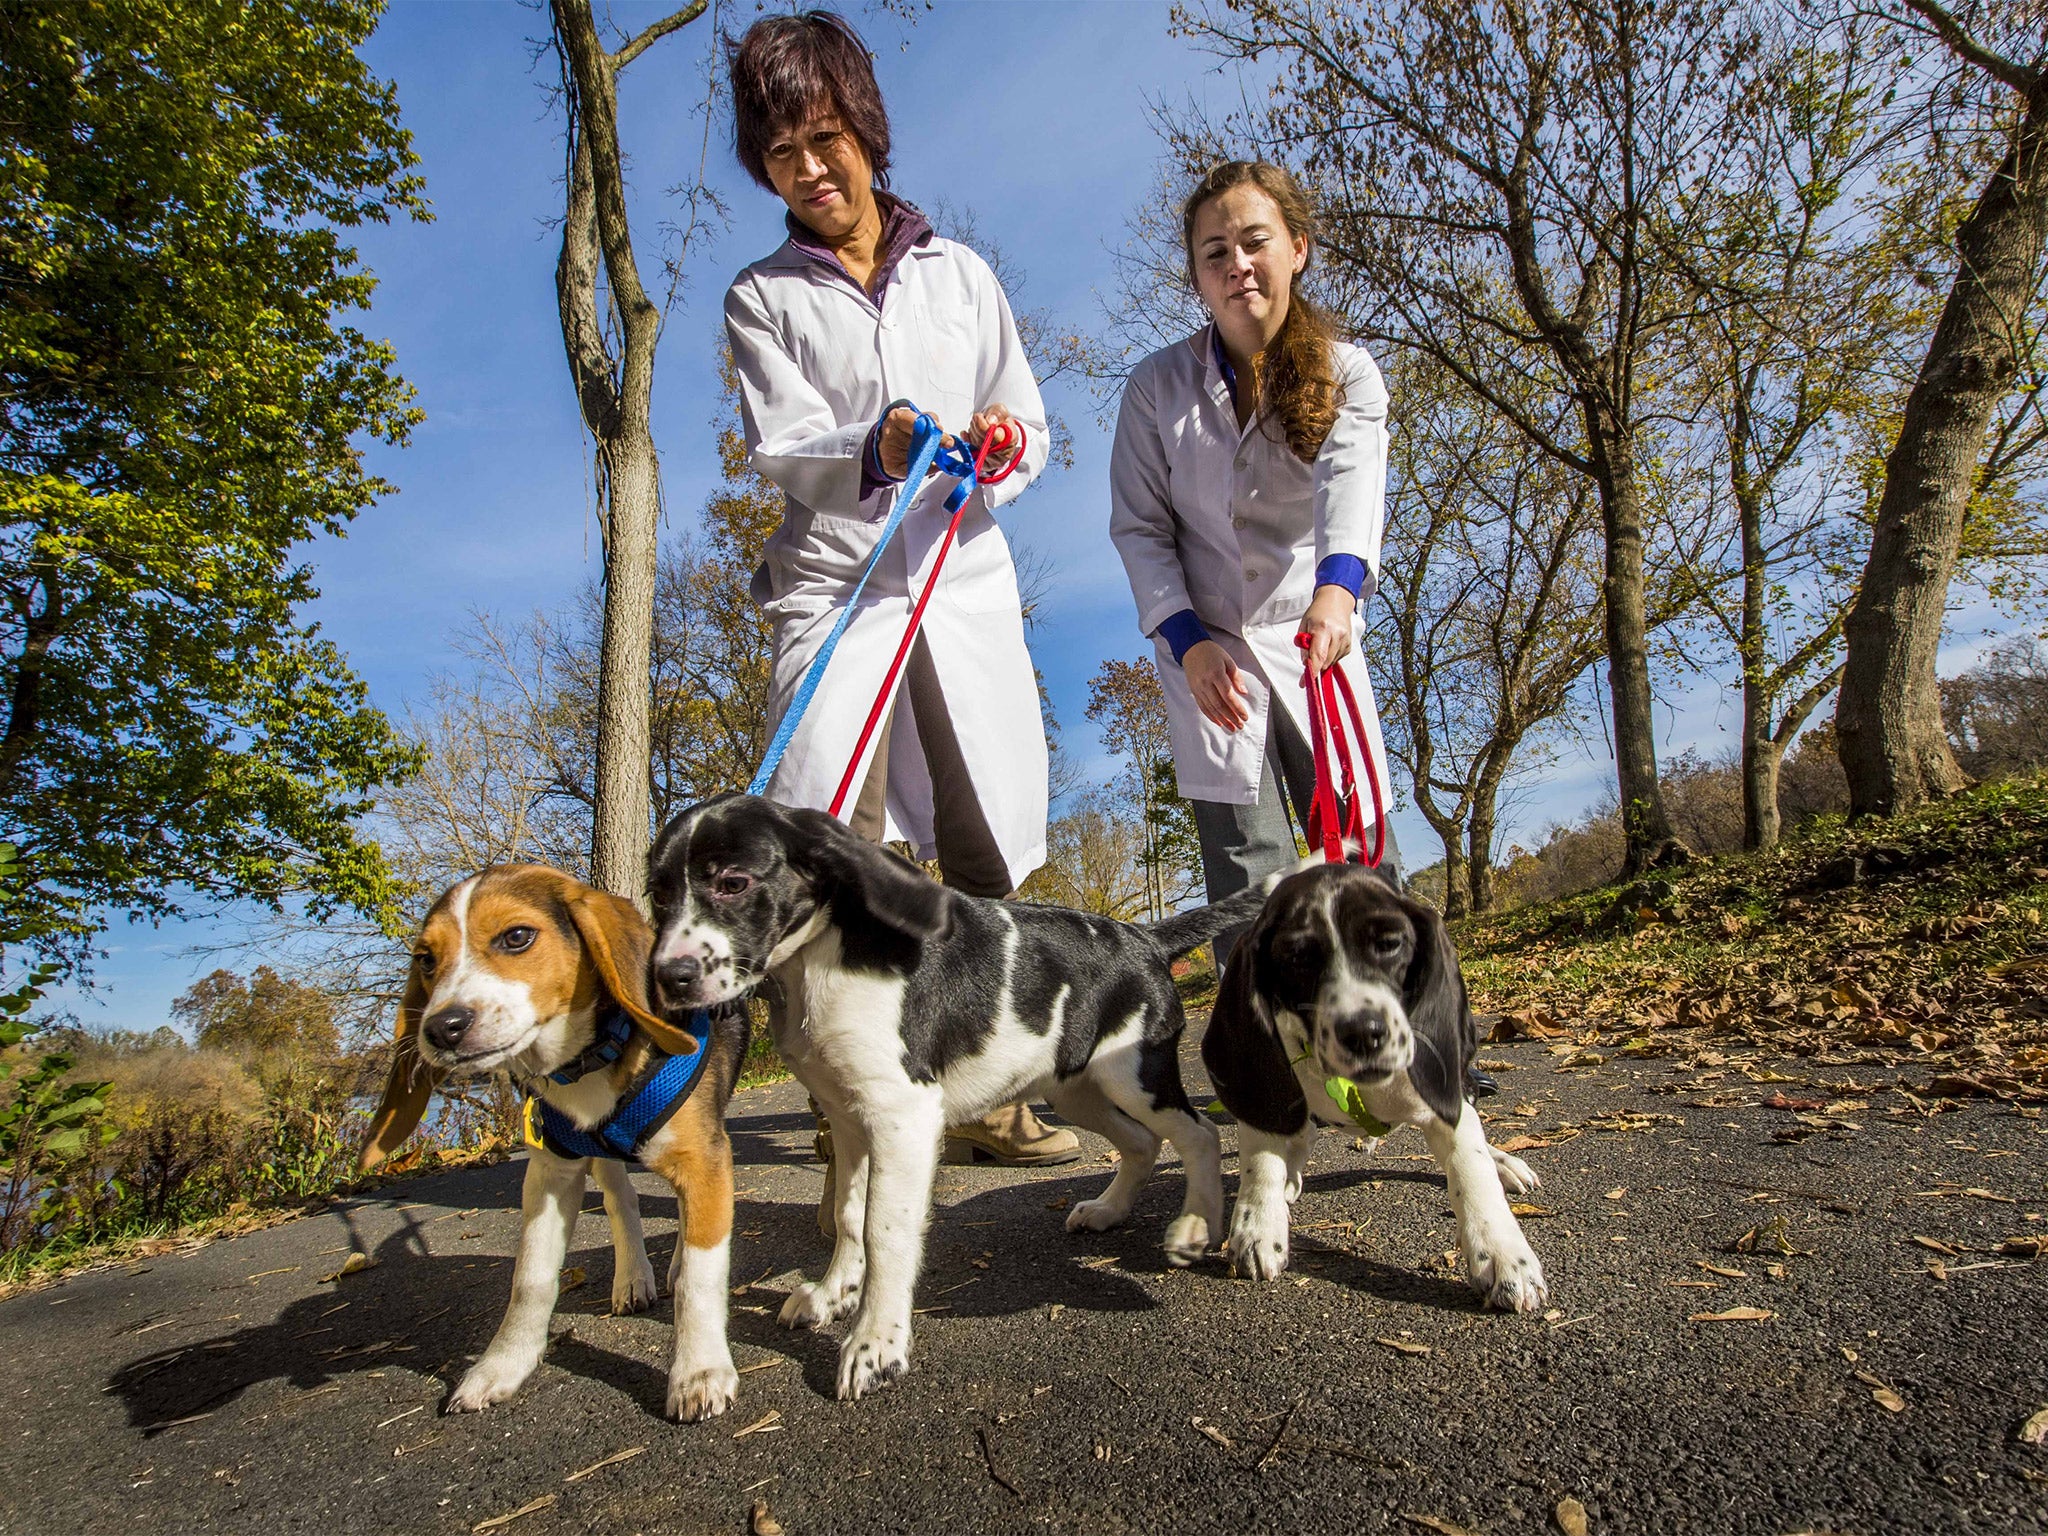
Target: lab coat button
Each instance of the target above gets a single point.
(1237, 522)
(1250, 574)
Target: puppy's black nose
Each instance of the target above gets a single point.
(1364, 1036)
(683, 971)
(444, 1030)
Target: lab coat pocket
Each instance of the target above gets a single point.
(952, 348)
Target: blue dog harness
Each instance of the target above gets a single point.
(634, 1121)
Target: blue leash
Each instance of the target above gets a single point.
(926, 451)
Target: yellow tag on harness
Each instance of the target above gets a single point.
(529, 1124)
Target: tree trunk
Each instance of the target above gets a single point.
(1759, 744)
(614, 391)
(621, 824)
(1485, 807)
(1888, 717)
(1457, 901)
(1644, 823)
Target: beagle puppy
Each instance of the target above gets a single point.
(1345, 1005)
(905, 1007)
(523, 970)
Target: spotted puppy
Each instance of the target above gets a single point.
(905, 1007)
(1341, 978)
(523, 970)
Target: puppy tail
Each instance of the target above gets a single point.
(1185, 931)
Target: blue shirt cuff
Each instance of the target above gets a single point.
(1346, 571)
(1182, 632)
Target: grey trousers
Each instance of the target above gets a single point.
(1243, 843)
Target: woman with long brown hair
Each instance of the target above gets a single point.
(1247, 489)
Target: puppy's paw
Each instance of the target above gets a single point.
(634, 1290)
(1186, 1240)
(703, 1393)
(489, 1381)
(815, 1303)
(1095, 1216)
(871, 1358)
(1516, 1176)
(1258, 1240)
(1504, 1269)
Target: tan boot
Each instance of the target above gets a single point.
(1014, 1137)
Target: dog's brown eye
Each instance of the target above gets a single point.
(515, 941)
(732, 883)
(424, 959)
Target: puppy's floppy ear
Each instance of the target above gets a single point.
(616, 938)
(865, 878)
(408, 1088)
(1242, 1050)
(1433, 992)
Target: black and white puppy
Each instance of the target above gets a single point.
(1341, 978)
(906, 1007)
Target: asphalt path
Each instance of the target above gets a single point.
(1073, 1383)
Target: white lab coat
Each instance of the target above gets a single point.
(818, 360)
(1231, 524)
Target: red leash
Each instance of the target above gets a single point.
(998, 436)
(1334, 818)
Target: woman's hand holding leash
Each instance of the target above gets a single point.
(1005, 452)
(900, 426)
(1328, 626)
(1218, 686)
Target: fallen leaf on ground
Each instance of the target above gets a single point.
(2035, 1430)
(1526, 1211)
(496, 1521)
(1783, 1100)
(573, 1276)
(610, 1461)
(1723, 1270)
(1881, 1391)
(762, 1523)
(354, 1264)
(1617, 1193)
(1536, 1143)
(2029, 1247)
(1211, 1432)
(767, 1423)
(1438, 1524)
(1404, 1346)
(1733, 1315)
(1937, 1245)
(1570, 1516)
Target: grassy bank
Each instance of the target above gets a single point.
(1915, 942)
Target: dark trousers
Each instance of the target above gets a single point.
(969, 860)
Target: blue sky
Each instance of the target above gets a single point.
(1031, 114)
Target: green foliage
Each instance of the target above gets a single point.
(265, 1015)
(44, 1119)
(181, 407)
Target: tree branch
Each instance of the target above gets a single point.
(657, 32)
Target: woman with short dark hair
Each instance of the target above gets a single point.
(859, 320)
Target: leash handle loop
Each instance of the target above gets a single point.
(1338, 814)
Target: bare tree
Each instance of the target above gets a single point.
(1888, 716)
(610, 327)
(1125, 701)
(1807, 299)
(1489, 613)
(1496, 178)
